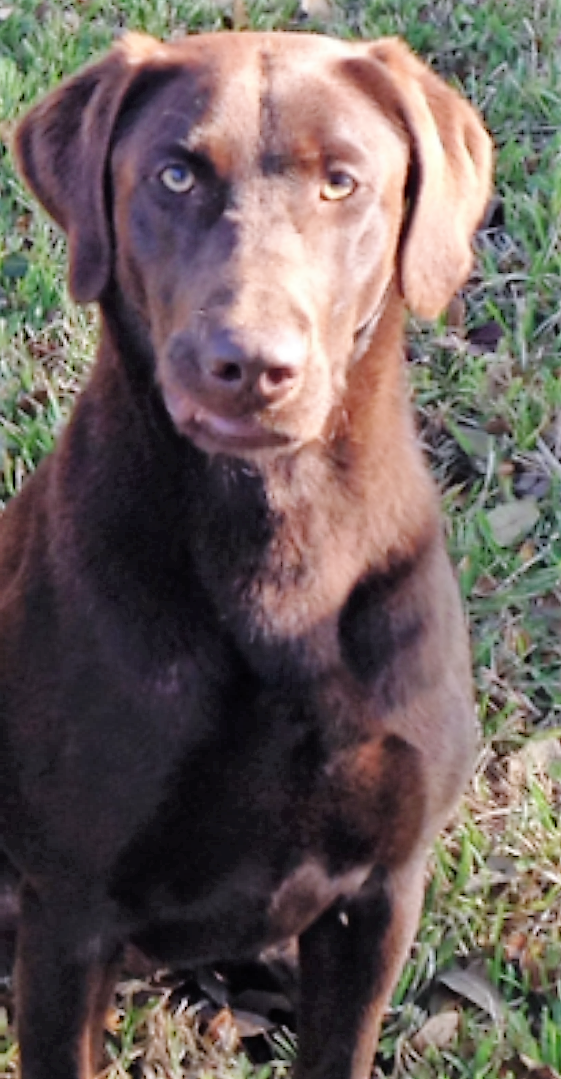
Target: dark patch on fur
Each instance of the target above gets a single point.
(377, 628)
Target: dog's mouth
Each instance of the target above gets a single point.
(245, 432)
(215, 433)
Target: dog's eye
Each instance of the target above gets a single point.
(338, 185)
(177, 178)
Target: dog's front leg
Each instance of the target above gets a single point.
(350, 960)
(65, 972)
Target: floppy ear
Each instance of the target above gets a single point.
(451, 173)
(62, 146)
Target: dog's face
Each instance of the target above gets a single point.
(258, 195)
(257, 210)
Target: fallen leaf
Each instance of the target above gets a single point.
(501, 868)
(511, 521)
(317, 9)
(498, 425)
(456, 314)
(7, 128)
(472, 984)
(250, 1024)
(438, 1031)
(544, 755)
(533, 483)
(515, 945)
(486, 336)
(485, 585)
(240, 17)
(222, 1030)
(71, 20)
(539, 1071)
(474, 441)
(527, 552)
(14, 266)
(113, 1020)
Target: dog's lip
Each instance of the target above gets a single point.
(226, 427)
(242, 432)
(227, 432)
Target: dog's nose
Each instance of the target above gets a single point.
(234, 364)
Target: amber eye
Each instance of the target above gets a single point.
(338, 185)
(177, 178)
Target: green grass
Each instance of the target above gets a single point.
(490, 416)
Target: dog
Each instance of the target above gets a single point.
(235, 690)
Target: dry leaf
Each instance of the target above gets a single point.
(456, 315)
(113, 1020)
(7, 128)
(317, 9)
(538, 1071)
(498, 425)
(501, 868)
(487, 336)
(438, 1031)
(515, 945)
(475, 442)
(473, 984)
(532, 482)
(250, 1024)
(222, 1030)
(14, 266)
(71, 20)
(542, 755)
(240, 17)
(527, 551)
(511, 521)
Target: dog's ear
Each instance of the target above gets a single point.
(449, 183)
(62, 146)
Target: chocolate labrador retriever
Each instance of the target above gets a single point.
(235, 688)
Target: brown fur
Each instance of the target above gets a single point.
(234, 676)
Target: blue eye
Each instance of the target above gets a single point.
(177, 178)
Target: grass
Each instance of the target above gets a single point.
(486, 967)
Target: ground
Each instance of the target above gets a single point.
(481, 996)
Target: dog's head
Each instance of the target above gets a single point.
(251, 198)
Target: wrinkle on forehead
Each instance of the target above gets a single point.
(228, 134)
(312, 114)
(263, 107)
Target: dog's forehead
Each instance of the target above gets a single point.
(247, 90)
(300, 49)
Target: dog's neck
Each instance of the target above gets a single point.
(277, 544)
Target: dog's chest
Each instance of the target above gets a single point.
(264, 826)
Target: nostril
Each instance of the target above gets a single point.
(277, 375)
(261, 368)
(276, 378)
(227, 371)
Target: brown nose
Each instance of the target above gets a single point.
(232, 364)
